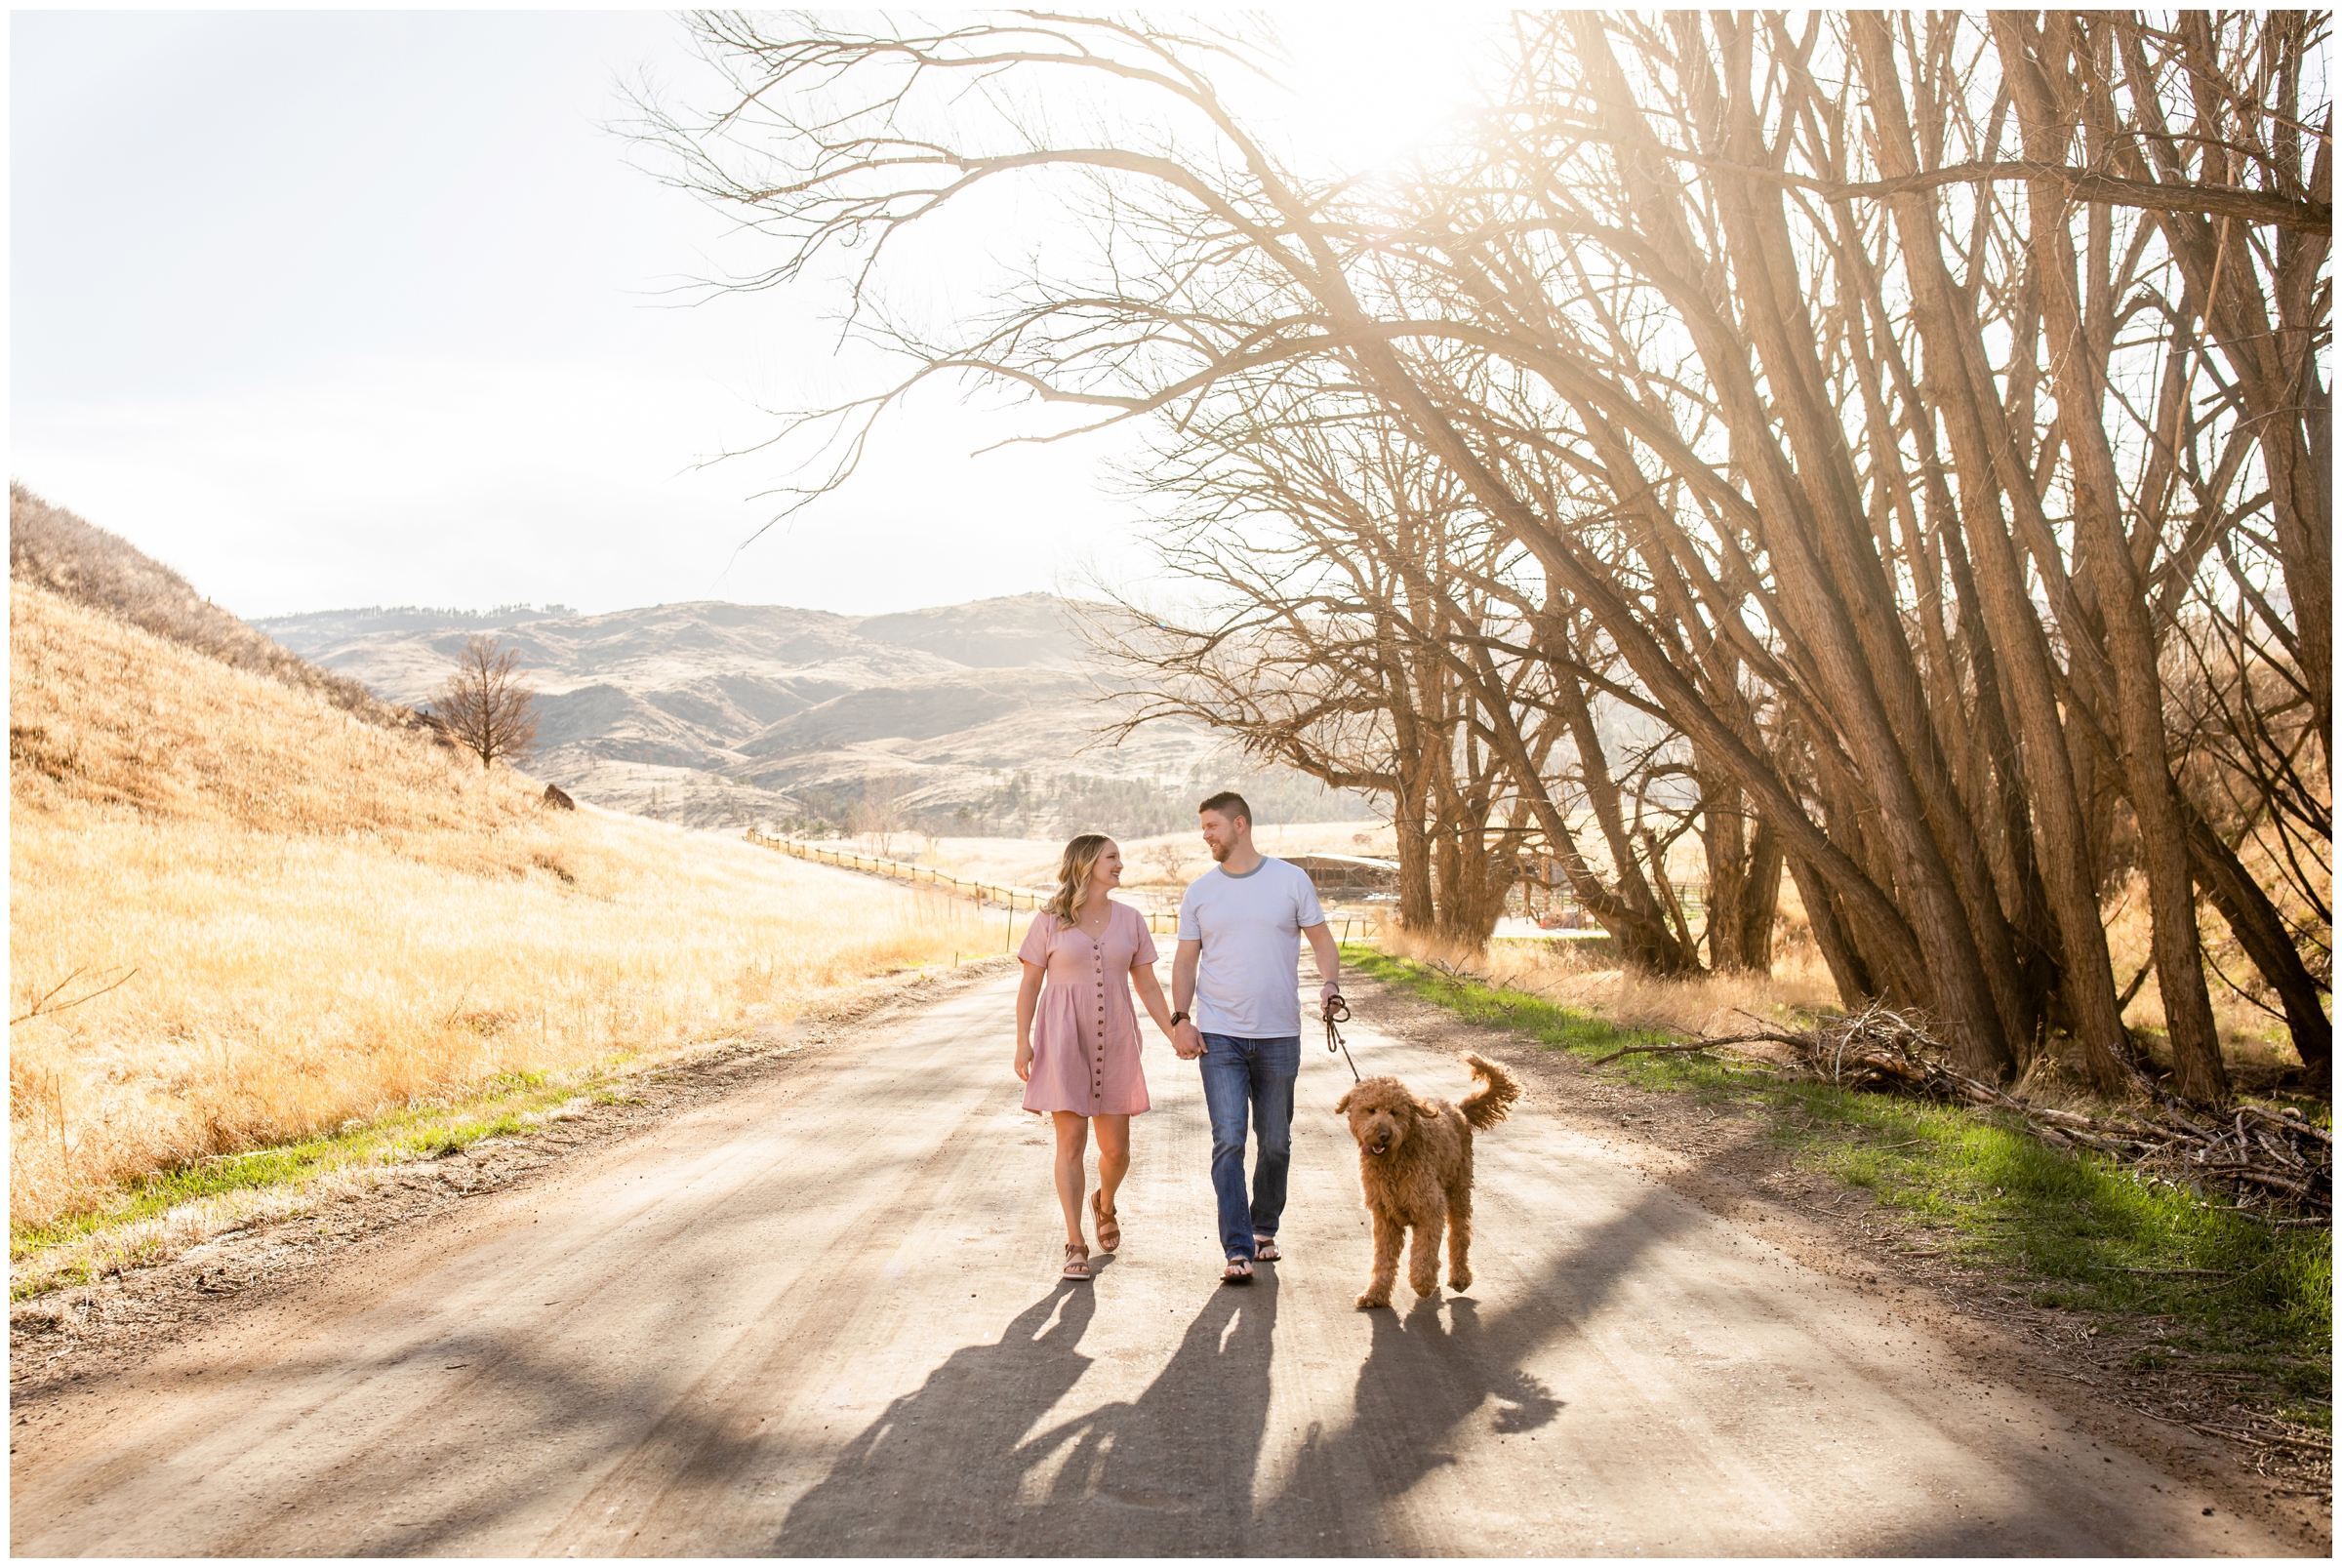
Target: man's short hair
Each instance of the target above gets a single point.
(1227, 803)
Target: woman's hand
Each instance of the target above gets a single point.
(1150, 995)
(1028, 998)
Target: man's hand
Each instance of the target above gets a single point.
(1187, 1041)
(1323, 948)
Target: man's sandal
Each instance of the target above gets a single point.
(1110, 1228)
(1078, 1260)
(1264, 1250)
(1238, 1272)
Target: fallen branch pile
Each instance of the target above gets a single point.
(2260, 1158)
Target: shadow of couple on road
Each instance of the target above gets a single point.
(965, 1466)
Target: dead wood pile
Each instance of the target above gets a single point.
(2263, 1160)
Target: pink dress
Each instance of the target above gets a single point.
(1085, 1031)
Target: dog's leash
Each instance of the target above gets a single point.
(1337, 1011)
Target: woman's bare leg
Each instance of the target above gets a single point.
(1113, 1157)
(1072, 1143)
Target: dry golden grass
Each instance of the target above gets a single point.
(1707, 1004)
(2252, 1032)
(2252, 1038)
(320, 921)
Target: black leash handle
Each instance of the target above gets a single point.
(1337, 1011)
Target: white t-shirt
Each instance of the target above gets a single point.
(1247, 984)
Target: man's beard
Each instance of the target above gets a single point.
(1220, 853)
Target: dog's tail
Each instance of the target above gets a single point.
(1491, 1099)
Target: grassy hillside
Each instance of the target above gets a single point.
(77, 560)
(239, 915)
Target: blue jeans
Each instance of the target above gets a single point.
(1242, 1075)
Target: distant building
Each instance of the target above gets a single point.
(1347, 876)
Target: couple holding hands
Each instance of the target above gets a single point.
(1241, 926)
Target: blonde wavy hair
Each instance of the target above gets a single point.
(1073, 874)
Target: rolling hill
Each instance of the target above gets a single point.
(971, 718)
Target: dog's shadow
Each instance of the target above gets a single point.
(1432, 1369)
(1422, 1394)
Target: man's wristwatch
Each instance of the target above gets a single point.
(1177, 1019)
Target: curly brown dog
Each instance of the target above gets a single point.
(1415, 1166)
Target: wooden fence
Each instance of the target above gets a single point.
(902, 871)
(1160, 923)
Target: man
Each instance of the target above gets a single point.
(1240, 927)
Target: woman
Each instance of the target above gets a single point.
(1078, 1037)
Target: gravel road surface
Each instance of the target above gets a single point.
(820, 1316)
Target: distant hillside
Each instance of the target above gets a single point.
(78, 561)
(968, 718)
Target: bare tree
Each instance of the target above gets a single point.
(883, 812)
(486, 704)
(1169, 859)
(1863, 397)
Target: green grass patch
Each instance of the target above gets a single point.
(505, 1106)
(2064, 1230)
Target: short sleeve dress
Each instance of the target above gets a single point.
(1086, 1032)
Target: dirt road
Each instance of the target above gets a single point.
(819, 1316)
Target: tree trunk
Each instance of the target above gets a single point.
(1981, 447)
(2074, 349)
(2261, 932)
(1761, 901)
(1848, 969)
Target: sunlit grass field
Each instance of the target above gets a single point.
(307, 922)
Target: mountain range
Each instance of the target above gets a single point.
(969, 718)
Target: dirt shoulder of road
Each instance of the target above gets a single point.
(1724, 1163)
(66, 1336)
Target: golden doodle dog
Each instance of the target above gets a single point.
(1415, 1168)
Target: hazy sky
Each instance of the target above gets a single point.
(339, 309)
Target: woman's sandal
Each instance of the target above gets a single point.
(1110, 1228)
(1264, 1250)
(1078, 1260)
(1238, 1272)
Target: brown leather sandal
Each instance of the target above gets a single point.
(1110, 1228)
(1078, 1260)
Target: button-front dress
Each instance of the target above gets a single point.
(1085, 1029)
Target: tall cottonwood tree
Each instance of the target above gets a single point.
(1839, 373)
